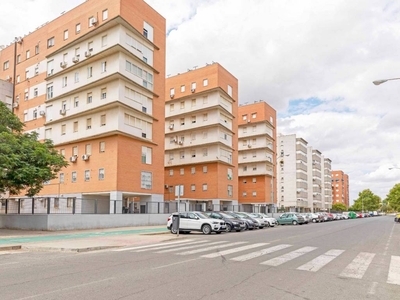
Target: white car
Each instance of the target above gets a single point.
(195, 221)
(271, 220)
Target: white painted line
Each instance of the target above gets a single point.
(189, 247)
(389, 240)
(234, 250)
(287, 257)
(150, 246)
(359, 265)
(372, 289)
(320, 261)
(394, 270)
(260, 253)
(9, 263)
(210, 248)
(171, 246)
(178, 263)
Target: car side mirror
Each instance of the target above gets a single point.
(197, 218)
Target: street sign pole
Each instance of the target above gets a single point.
(179, 193)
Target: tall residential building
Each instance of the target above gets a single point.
(201, 138)
(315, 179)
(93, 81)
(327, 189)
(6, 92)
(340, 188)
(257, 157)
(293, 183)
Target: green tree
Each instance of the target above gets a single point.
(366, 201)
(25, 162)
(339, 207)
(393, 198)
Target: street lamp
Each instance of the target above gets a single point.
(378, 82)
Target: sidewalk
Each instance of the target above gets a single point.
(82, 240)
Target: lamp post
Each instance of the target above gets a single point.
(378, 82)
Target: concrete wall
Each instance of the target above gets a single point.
(73, 222)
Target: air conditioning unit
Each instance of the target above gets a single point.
(42, 113)
(63, 64)
(174, 140)
(63, 112)
(193, 90)
(15, 105)
(94, 21)
(180, 142)
(249, 146)
(172, 96)
(88, 54)
(248, 121)
(8, 78)
(75, 59)
(85, 157)
(171, 126)
(73, 158)
(166, 186)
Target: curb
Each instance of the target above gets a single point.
(8, 248)
(77, 250)
(154, 233)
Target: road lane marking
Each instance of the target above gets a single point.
(359, 265)
(171, 246)
(178, 263)
(260, 253)
(211, 248)
(234, 250)
(320, 261)
(287, 257)
(372, 289)
(389, 240)
(9, 263)
(189, 247)
(149, 246)
(394, 270)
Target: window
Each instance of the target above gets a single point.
(104, 41)
(254, 180)
(78, 28)
(88, 149)
(193, 86)
(182, 121)
(50, 91)
(172, 92)
(105, 14)
(73, 176)
(205, 82)
(146, 180)
(193, 119)
(148, 31)
(146, 155)
(230, 190)
(76, 101)
(61, 177)
(62, 152)
(254, 115)
(76, 77)
(193, 170)
(76, 126)
(92, 21)
(18, 58)
(193, 102)
(89, 72)
(87, 175)
(171, 107)
(205, 117)
(64, 81)
(254, 194)
(205, 152)
(244, 194)
(103, 93)
(35, 92)
(193, 153)
(205, 99)
(182, 88)
(64, 105)
(63, 129)
(35, 114)
(70, 202)
(101, 174)
(89, 98)
(145, 33)
(204, 169)
(182, 154)
(205, 187)
(229, 90)
(65, 34)
(182, 171)
(171, 172)
(18, 79)
(50, 42)
(89, 123)
(6, 65)
(103, 120)
(103, 66)
(182, 104)
(26, 96)
(75, 151)
(102, 147)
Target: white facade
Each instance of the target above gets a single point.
(6, 93)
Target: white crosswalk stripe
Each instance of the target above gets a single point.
(359, 265)
(260, 253)
(287, 257)
(173, 246)
(394, 270)
(234, 250)
(151, 246)
(320, 261)
(190, 247)
(211, 248)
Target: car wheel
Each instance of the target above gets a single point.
(314, 220)
(267, 224)
(206, 229)
(246, 227)
(218, 232)
(173, 230)
(238, 230)
(228, 228)
(294, 222)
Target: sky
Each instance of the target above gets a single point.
(313, 61)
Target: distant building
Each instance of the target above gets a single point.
(340, 187)
(6, 92)
(257, 157)
(201, 138)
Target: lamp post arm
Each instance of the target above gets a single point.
(378, 82)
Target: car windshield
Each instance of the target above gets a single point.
(227, 216)
(201, 215)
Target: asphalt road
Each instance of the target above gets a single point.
(353, 259)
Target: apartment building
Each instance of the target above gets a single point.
(293, 176)
(257, 157)
(6, 93)
(327, 189)
(340, 187)
(201, 138)
(93, 81)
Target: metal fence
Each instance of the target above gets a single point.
(52, 205)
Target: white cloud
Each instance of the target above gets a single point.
(280, 51)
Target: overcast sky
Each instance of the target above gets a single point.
(313, 61)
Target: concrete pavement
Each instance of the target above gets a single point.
(81, 240)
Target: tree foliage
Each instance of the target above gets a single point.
(393, 198)
(25, 162)
(366, 201)
(339, 207)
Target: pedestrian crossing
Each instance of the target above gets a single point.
(244, 251)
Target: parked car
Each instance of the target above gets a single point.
(195, 221)
(315, 218)
(231, 222)
(271, 220)
(290, 218)
(250, 223)
(397, 218)
(306, 218)
(260, 220)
